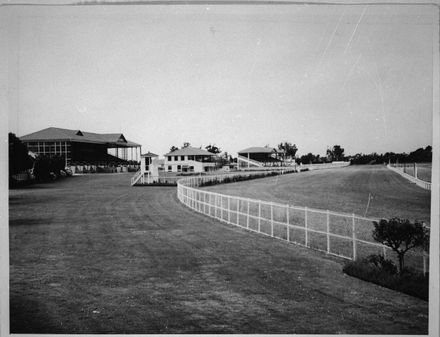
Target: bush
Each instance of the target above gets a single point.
(384, 273)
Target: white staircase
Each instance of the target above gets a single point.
(136, 177)
(249, 162)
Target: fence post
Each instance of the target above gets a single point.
(328, 231)
(229, 209)
(271, 219)
(210, 201)
(305, 228)
(354, 237)
(287, 223)
(215, 206)
(259, 216)
(247, 220)
(424, 263)
(384, 251)
(238, 212)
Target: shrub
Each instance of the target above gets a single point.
(380, 271)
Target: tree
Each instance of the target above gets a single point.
(401, 235)
(19, 159)
(173, 148)
(186, 144)
(288, 148)
(213, 149)
(336, 153)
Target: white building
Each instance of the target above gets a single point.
(189, 159)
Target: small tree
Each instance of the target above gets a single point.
(401, 235)
(173, 148)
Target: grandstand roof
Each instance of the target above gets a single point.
(190, 151)
(58, 134)
(257, 149)
(149, 154)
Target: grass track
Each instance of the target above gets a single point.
(341, 190)
(91, 254)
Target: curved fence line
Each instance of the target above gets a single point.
(340, 234)
(423, 184)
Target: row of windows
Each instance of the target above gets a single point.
(181, 168)
(182, 158)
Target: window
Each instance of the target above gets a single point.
(176, 158)
(191, 169)
(190, 157)
(179, 168)
(169, 158)
(170, 168)
(182, 158)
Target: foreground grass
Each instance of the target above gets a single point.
(91, 254)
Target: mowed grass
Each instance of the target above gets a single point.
(341, 190)
(92, 254)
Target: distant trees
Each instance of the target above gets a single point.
(310, 158)
(19, 159)
(289, 149)
(421, 155)
(336, 153)
(401, 235)
(173, 148)
(213, 149)
(186, 144)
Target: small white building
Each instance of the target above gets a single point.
(189, 159)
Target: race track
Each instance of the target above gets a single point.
(91, 254)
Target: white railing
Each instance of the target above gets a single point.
(249, 161)
(136, 177)
(400, 170)
(344, 235)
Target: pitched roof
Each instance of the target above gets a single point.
(58, 134)
(190, 151)
(149, 154)
(256, 149)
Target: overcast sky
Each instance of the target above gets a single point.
(235, 75)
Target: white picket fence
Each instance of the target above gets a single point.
(401, 170)
(344, 235)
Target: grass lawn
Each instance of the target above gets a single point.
(91, 254)
(341, 190)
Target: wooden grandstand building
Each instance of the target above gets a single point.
(81, 147)
(255, 157)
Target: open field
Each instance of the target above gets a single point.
(91, 254)
(341, 190)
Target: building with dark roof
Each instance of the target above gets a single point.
(81, 147)
(259, 157)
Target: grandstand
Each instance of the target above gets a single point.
(255, 157)
(83, 148)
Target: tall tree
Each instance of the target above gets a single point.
(288, 148)
(19, 159)
(336, 153)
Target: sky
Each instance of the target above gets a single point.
(231, 75)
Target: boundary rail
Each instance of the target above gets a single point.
(343, 235)
(400, 170)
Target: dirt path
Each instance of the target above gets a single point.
(93, 255)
